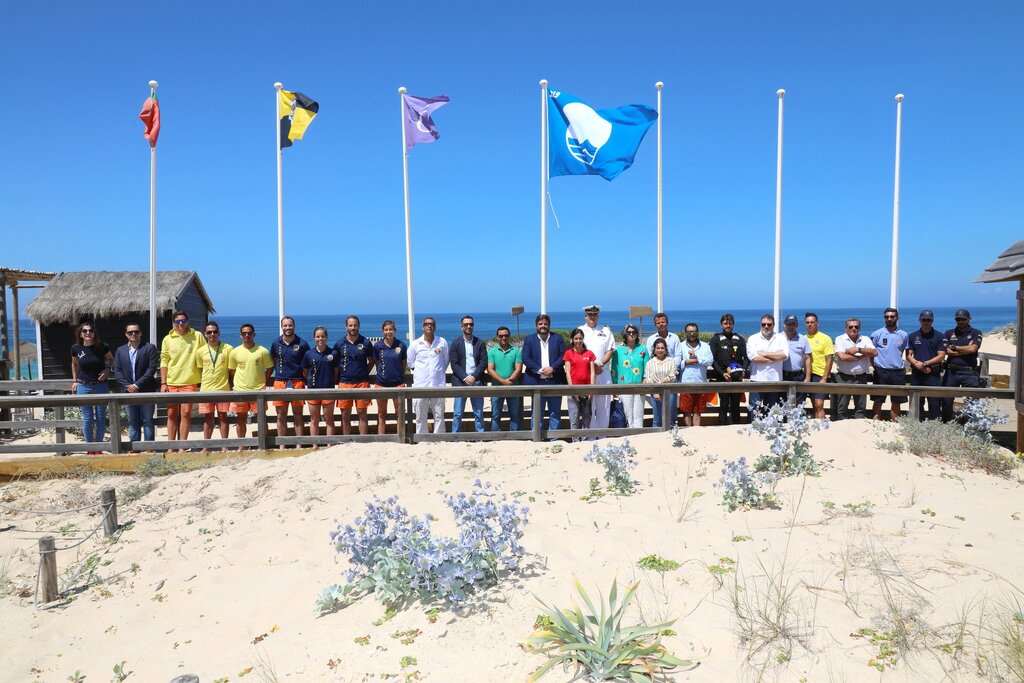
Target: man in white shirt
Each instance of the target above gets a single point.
(428, 358)
(600, 340)
(853, 360)
(675, 350)
(766, 351)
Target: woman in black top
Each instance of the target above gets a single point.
(91, 361)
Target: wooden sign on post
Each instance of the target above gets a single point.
(640, 312)
(516, 312)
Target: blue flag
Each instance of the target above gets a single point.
(587, 141)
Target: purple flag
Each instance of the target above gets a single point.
(419, 127)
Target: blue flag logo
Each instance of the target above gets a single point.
(587, 141)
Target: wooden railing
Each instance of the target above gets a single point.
(264, 439)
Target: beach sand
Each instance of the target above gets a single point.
(218, 569)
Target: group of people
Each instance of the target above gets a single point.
(188, 361)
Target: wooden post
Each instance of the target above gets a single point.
(791, 394)
(400, 427)
(914, 411)
(410, 419)
(47, 570)
(17, 331)
(665, 393)
(108, 504)
(536, 416)
(262, 440)
(5, 414)
(114, 410)
(58, 414)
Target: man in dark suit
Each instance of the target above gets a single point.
(468, 357)
(542, 363)
(135, 366)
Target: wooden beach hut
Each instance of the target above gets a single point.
(15, 279)
(109, 299)
(1009, 267)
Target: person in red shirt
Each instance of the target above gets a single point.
(579, 369)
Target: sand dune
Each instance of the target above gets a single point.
(218, 569)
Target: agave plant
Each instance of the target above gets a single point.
(597, 642)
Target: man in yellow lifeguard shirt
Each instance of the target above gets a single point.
(250, 366)
(822, 354)
(212, 360)
(179, 372)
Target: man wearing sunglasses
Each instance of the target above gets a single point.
(505, 366)
(961, 345)
(853, 360)
(468, 357)
(891, 343)
(135, 367)
(766, 352)
(179, 372)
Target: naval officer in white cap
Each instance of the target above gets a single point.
(601, 341)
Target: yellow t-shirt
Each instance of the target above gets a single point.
(213, 363)
(250, 366)
(821, 346)
(177, 354)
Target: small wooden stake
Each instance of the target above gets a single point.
(108, 504)
(47, 570)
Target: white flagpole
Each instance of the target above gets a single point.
(152, 235)
(543, 195)
(894, 286)
(661, 301)
(408, 238)
(280, 205)
(778, 216)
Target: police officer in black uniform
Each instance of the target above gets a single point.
(729, 351)
(961, 345)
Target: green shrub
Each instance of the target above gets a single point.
(948, 442)
(595, 641)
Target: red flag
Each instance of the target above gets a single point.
(150, 116)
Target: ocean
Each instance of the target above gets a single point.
(832, 322)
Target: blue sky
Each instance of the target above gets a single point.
(74, 183)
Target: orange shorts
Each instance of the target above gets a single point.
(284, 384)
(346, 403)
(693, 403)
(208, 408)
(243, 408)
(320, 402)
(185, 388)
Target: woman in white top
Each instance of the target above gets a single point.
(660, 369)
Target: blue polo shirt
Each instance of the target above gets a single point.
(925, 346)
(321, 368)
(288, 357)
(968, 337)
(354, 359)
(391, 362)
(891, 346)
(798, 349)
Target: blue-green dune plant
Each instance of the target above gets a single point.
(619, 462)
(395, 556)
(786, 426)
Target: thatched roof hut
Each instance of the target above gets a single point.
(109, 300)
(71, 297)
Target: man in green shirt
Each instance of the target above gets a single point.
(505, 367)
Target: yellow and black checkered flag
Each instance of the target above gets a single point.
(297, 112)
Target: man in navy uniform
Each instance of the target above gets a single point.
(925, 353)
(961, 345)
